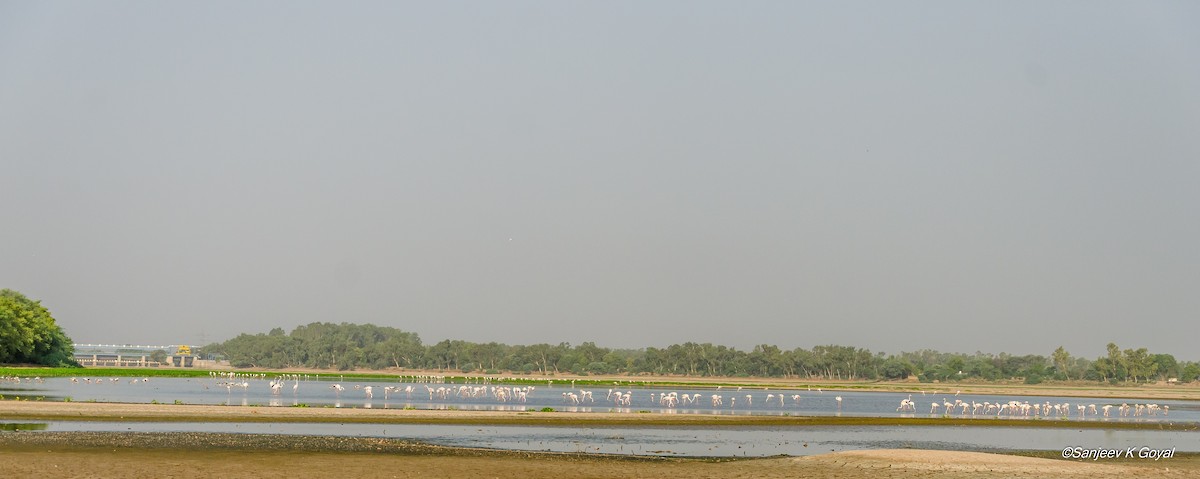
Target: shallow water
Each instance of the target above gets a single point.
(682, 441)
(320, 393)
(689, 441)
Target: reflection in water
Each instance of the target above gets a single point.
(23, 426)
(696, 441)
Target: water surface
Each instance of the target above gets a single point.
(560, 396)
(692, 441)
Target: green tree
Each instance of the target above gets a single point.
(1116, 362)
(1165, 365)
(1140, 364)
(1062, 359)
(1190, 373)
(28, 334)
(158, 356)
(893, 368)
(401, 349)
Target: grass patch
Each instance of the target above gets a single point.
(103, 372)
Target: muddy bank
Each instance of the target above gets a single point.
(119, 455)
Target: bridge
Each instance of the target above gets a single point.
(129, 355)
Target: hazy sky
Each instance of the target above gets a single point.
(995, 176)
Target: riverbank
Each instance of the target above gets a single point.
(119, 455)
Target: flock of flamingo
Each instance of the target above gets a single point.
(431, 388)
(670, 400)
(1025, 409)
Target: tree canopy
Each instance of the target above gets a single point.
(29, 335)
(350, 346)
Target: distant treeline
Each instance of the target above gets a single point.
(352, 346)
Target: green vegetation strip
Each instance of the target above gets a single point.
(101, 372)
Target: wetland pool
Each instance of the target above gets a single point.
(324, 392)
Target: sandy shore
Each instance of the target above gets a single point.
(169, 455)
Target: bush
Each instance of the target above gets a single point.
(599, 367)
(28, 334)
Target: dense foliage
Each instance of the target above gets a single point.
(349, 346)
(29, 335)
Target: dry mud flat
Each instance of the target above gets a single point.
(192, 455)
